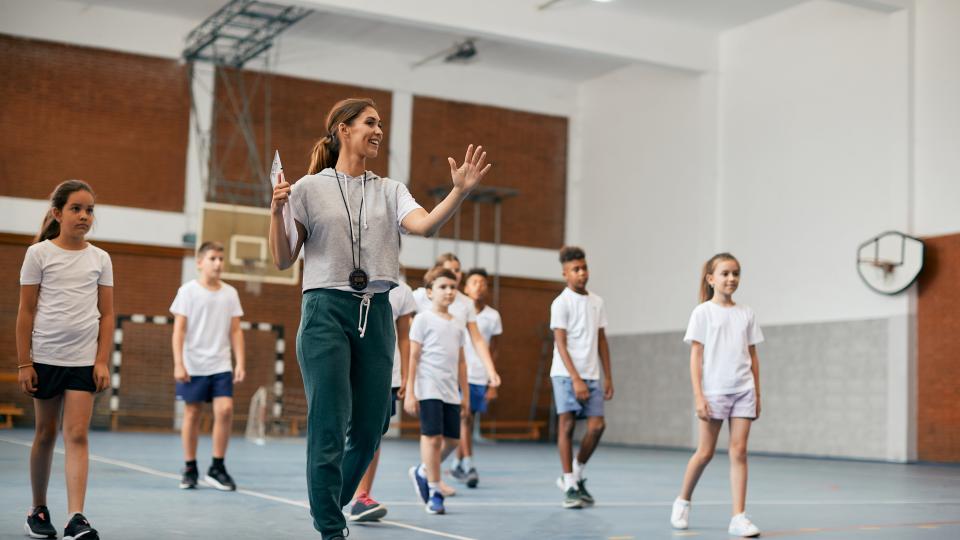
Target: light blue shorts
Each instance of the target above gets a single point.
(566, 399)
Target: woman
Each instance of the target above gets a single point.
(348, 223)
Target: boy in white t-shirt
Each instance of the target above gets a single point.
(366, 508)
(578, 319)
(206, 325)
(490, 326)
(436, 385)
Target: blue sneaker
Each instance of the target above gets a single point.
(419, 484)
(435, 504)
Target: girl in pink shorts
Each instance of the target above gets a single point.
(725, 373)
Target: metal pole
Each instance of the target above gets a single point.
(496, 253)
(456, 233)
(476, 235)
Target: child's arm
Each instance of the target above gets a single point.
(410, 403)
(605, 361)
(483, 352)
(494, 349)
(26, 375)
(403, 343)
(179, 332)
(580, 389)
(239, 353)
(101, 368)
(464, 385)
(755, 368)
(696, 376)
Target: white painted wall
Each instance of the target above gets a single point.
(643, 192)
(937, 142)
(814, 156)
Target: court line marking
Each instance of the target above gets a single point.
(923, 525)
(248, 492)
(632, 504)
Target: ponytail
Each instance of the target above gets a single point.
(706, 291)
(50, 228)
(324, 154)
(326, 151)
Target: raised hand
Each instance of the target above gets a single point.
(281, 194)
(474, 167)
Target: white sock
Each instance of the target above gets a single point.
(455, 463)
(578, 469)
(569, 481)
(434, 487)
(422, 470)
(467, 463)
(682, 502)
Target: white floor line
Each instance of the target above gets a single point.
(249, 493)
(631, 504)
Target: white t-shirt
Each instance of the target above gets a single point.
(437, 371)
(489, 324)
(67, 323)
(726, 334)
(461, 308)
(206, 346)
(402, 303)
(582, 316)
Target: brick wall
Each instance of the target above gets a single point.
(298, 111)
(938, 370)
(528, 152)
(119, 121)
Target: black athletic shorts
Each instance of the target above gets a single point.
(439, 418)
(53, 381)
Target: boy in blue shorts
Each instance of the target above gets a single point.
(578, 319)
(206, 325)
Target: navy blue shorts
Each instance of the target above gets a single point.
(203, 388)
(439, 418)
(478, 398)
(53, 381)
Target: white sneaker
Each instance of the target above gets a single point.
(740, 525)
(680, 517)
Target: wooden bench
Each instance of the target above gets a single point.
(8, 411)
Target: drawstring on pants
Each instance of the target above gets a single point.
(364, 312)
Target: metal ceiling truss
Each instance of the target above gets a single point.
(239, 32)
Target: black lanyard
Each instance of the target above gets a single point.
(358, 278)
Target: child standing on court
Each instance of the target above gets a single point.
(437, 385)
(366, 508)
(725, 374)
(64, 337)
(578, 319)
(206, 324)
(490, 326)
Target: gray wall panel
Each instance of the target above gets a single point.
(824, 389)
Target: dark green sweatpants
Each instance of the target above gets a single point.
(347, 382)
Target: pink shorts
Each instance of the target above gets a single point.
(740, 405)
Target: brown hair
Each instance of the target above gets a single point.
(58, 199)
(327, 149)
(209, 246)
(436, 273)
(445, 257)
(706, 291)
(571, 253)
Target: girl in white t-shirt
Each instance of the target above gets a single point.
(725, 372)
(64, 337)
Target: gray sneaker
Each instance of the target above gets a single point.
(458, 473)
(472, 478)
(585, 495)
(572, 499)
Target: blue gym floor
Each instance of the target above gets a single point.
(133, 494)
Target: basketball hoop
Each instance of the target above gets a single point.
(254, 270)
(890, 262)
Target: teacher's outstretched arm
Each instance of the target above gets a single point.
(465, 177)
